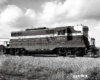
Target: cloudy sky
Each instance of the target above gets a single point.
(22, 14)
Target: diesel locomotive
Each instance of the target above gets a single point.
(62, 41)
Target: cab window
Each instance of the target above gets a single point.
(61, 32)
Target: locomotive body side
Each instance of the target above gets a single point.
(66, 40)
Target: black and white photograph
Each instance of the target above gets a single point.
(49, 39)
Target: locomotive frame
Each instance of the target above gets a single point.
(62, 41)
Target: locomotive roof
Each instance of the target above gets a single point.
(36, 28)
(56, 28)
(42, 28)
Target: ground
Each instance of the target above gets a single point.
(49, 68)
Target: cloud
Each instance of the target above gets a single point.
(16, 18)
(70, 11)
(98, 26)
(3, 4)
(10, 14)
(28, 19)
(3, 1)
(91, 9)
(54, 13)
(30, 13)
(58, 13)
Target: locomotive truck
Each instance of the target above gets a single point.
(62, 41)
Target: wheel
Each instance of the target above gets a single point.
(84, 51)
(64, 52)
(73, 52)
(11, 51)
(17, 52)
(61, 52)
(23, 52)
(56, 51)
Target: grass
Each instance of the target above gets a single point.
(48, 68)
